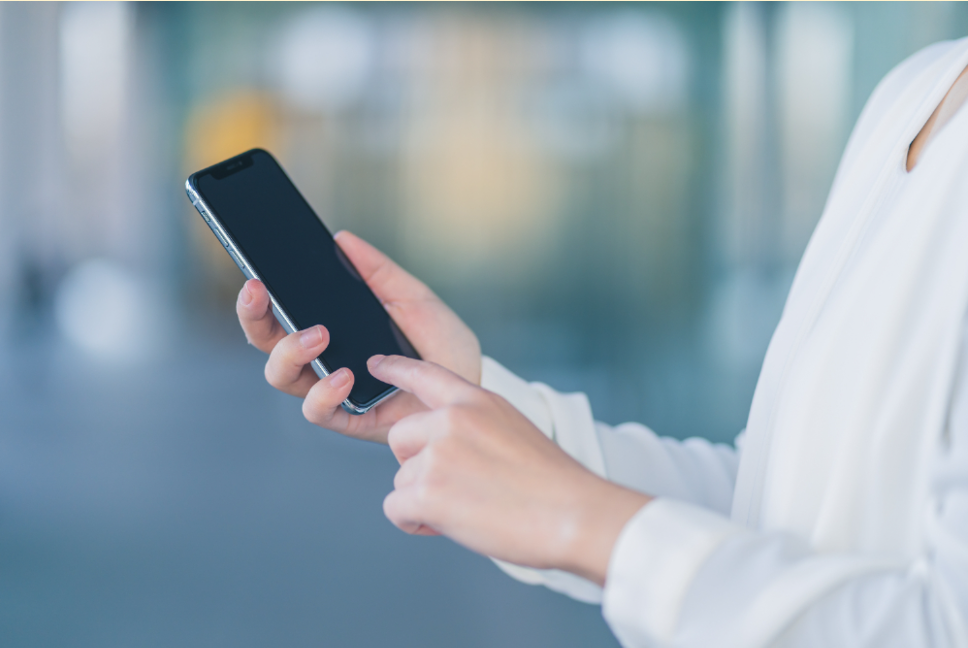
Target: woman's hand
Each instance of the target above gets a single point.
(475, 469)
(433, 329)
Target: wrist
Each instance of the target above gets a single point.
(592, 528)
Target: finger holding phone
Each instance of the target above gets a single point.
(321, 307)
(436, 331)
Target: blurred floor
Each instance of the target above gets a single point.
(184, 502)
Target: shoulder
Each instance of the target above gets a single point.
(922, 67)
(899, 95)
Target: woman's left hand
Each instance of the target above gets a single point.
(475, 469)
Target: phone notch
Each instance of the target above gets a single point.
(232, 166)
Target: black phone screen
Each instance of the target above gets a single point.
(301, 265)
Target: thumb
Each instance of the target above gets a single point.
(387, 280)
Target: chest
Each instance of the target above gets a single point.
(855, 387)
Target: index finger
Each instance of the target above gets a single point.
(431, 383)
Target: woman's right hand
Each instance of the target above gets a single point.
(435, 331)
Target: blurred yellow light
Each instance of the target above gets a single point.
(216, 130)
(227, 125)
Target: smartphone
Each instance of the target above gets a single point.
(273, 235)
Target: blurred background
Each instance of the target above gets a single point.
(614, 197)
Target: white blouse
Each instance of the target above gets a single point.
(841, 516)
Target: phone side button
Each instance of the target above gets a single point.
(200, 207)
(239, 263)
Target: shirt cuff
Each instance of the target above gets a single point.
(521, 394)
(653, 564)
(556, 580)
(529, 400)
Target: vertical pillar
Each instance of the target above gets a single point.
(30, 156)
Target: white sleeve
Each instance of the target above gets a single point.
(694, 470)
(687, 577)
(683, 574)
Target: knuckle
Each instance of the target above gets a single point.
(424, 495)
(313, 412)
(393, 437)
(309, 411)
(272, 375)
(454, 416)
(396, 438)
(483, 399)
(390, 507)
(437, 464)
(431, 460)
(280, 358)
(461, 417)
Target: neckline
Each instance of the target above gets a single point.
(956, 83)
(748, 495)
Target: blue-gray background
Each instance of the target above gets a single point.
(613, 197)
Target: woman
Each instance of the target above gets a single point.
(842, 517)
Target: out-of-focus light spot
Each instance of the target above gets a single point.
(228, 124)
(749, 169)
(642, 58)
(815, 45)
(107, 311)
(94, 40)
(323, 58)
(571, 122)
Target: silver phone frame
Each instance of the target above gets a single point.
(280, 313)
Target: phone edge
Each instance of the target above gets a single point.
(280, 313)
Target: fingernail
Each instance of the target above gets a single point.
(246, 296)
(339, 378)
(375, 361)
(311, 337)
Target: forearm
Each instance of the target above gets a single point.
(631, 454)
